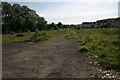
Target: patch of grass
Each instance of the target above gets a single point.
(40, 36)
(11, 38)
(20, 35)
(104, 42)
(33, 36)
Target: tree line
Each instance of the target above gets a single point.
(17, 18)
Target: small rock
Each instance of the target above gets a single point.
(95, 63)
(103, 77)
(108, 71)
(26, 58)
(90, 62)
(108, 76)
(104, 71)
(96, 56)
(113, 76)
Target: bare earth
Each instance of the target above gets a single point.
(56, 58)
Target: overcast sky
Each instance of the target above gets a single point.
(74, 12)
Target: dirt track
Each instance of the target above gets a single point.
(56, 58)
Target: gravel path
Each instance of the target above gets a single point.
(56, 58)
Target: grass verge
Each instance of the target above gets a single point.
(33, 36)
(103, 42)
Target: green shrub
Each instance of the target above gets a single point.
(36, 31)
(12, 32)
(116, 43)
(38, 37)
(103, 56)
(83, 49)
(20, 35)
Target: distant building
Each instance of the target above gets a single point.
(87, 24)
(106, 23)
(102, 23)
(110, 22)
(117, 22)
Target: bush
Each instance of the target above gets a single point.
(36, 31)
(38, 37)
(116, 43)
(20, 35)
(103, 56)
(11, 32)
(83, 49)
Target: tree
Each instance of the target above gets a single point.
(6, 17)
(30, 24)
(18, 18)
(41, 23)
(16, 9)
(59, 25)
(6, 9)
(54, 26)
(19, 24)
(64, 26)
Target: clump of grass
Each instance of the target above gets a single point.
(110, 62)
(83, 49)
(11, 32)
(20, 35)
(116, 43)
(38, 37)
